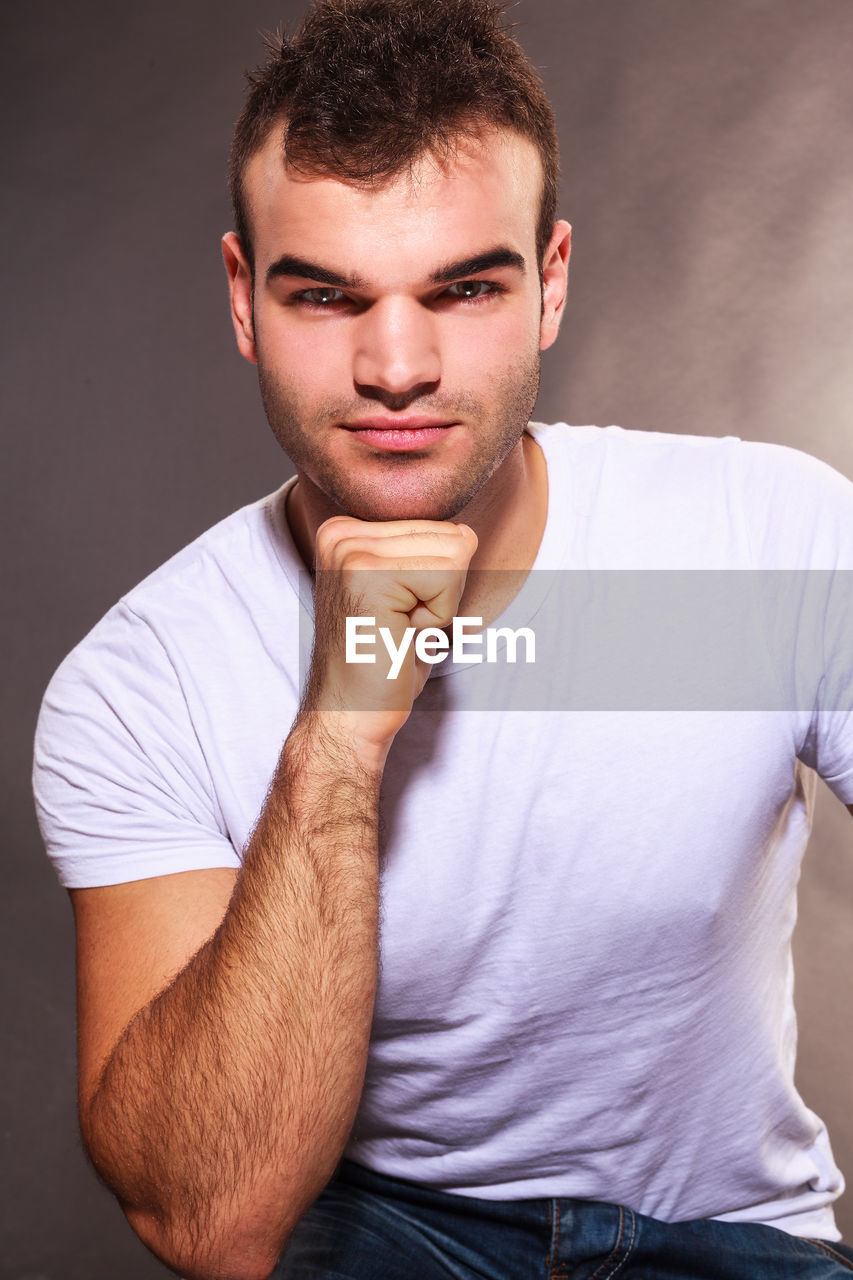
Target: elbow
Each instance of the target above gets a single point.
(228, 1239)
(228, 1252)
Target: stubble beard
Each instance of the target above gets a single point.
(400, 486)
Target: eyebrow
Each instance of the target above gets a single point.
(289, 265)
(501, 256)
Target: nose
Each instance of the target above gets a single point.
(396, 357)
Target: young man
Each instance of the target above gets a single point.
(576, 1055)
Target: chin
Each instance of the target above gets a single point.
(401, 502)
(403, 510)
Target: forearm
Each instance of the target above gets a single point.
(227, 1102)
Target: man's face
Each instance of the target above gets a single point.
(397, 330)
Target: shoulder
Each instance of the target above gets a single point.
(222, 584)
(642, 447)
(202, 590)
(798, 510)
(244, 549)
(648, 464)
(122, 763)
(661, 499)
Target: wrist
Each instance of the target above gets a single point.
(341, 743)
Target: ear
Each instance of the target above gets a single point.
(555, 278)
(241, 287)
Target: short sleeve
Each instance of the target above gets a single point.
(802, 521)
(121, 787)
(828, 747)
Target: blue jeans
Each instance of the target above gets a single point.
(368, 1227)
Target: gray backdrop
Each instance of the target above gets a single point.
(709, 176)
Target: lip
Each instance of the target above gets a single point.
(396, 435)
(414, 422)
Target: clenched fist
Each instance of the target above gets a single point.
(404, 574)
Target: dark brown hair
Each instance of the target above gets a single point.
(364, 88)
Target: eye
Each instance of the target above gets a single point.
(471, 290)
(324, 295)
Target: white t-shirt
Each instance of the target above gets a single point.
(587, 902)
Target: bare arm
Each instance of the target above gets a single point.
(220, 1111)
(228, 1100)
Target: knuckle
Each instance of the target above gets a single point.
(359, 560)
(334, 530)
